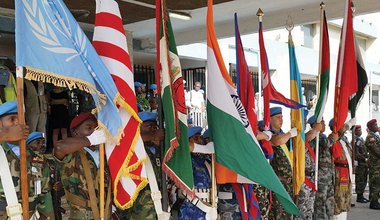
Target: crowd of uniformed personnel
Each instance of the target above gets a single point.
(69, 174)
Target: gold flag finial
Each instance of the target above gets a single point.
(260, 14)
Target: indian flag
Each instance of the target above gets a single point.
(235, 145)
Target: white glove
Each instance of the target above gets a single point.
(269, 134)
(293, 132)
(351, 122)
(164, 216)
(97, 137)
(212, 214)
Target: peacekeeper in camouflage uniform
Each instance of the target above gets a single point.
(41, 173)
(10, 133)
(306, 195)
(73, 154)
(324, 198)
(341, 153)
(143, 207)
(372, 143)
(202, 179)
(281, 162)
(361, 169)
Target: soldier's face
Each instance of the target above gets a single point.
(38, 145)
(375, 128)
(358, 132)
(8, 121)
(86, 128)
(196, 139)
(276, 121)
(323, 126)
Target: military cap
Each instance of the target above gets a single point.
(275, 111)
(191, 131)
(189, 121)
(8, 108)
(371, 122)
(305, 112)
(34, 136)
(80, 119)
(312, 120)
(148, 116)
(358, 126)
(260, 123)
(138, 84)
(206, 134)
(153, 86)
(331, 123)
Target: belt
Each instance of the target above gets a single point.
(77, 200)
(32, 205)
(344, 165)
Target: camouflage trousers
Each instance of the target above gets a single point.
(228, 208)
(342, 195)
(306, 198)
(324, 198)
(277, 212)
(262, 195)
(142, 209)
(374, 183)
(361, 178)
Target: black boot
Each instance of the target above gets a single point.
(374, 205)
(360, 198)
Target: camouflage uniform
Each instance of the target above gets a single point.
(361, 170)
(343, 186)
(283, 168)
(306, 195)
(142, 102)
(74, 182)
(324, 198)
(263, 196)
(372, 143)
(143, 207)
(228, 208)
(202, 183)
(38, 170)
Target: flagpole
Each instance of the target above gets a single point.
(213, 181)
(101, 172)
(22, 143)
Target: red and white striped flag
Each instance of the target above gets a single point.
(125, 160)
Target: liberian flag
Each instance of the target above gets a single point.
(324, 69)
(362, 82)
(125, 160)
(235, 145)
(177, 161)
(297, 120)
(346, 83)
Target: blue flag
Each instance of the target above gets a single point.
(54, 49)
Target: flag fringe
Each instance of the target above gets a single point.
(125, 171)
(177, 181)
(173, 145)
(119, 100)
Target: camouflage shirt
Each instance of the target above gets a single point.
(372, 143)
(74, 181)
(38, 173)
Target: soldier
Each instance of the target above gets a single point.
(372, 143)
(361, 169)
(78, 158)
(143, 207)
(11, 167)
(281, 162)
(306, 195)
(41, 173)
(341, 153)
(324, 198)
(202, 179)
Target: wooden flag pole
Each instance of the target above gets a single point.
(213, 181)
(316, 162)
(22, 143)
(101, 189)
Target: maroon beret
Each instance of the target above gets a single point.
(371, 122)
(80, 119)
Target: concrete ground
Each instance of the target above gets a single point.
(361, 211)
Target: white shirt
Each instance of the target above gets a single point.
(196, 99)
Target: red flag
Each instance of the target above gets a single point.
(346, 83)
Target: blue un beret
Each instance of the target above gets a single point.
(191, 131)
(312, 120)
(305, 112)
(138, 84)
(275, 111)
(190, 121)
(148, 116)
(331, 123)
(8, 108)
(206, 134)
(34, 136)
(260, 123)
(153, 86)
